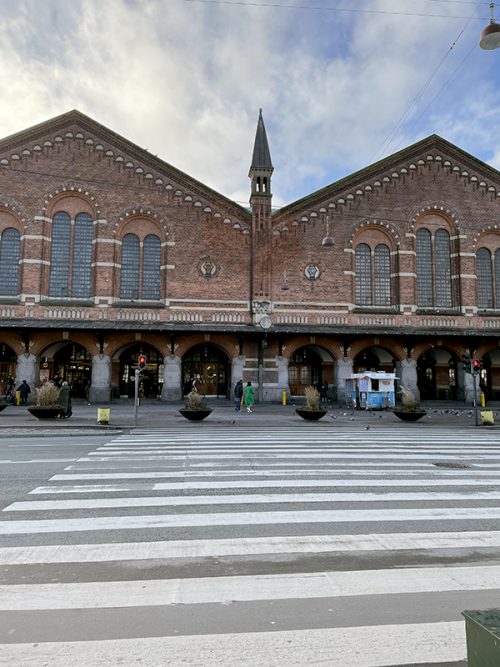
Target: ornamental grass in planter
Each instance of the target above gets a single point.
(409, 409)
(47, 404)
(311, 410)
(195, 409)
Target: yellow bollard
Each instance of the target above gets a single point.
(18, 398)
(483, 399)
(283, 397)
(103, 415)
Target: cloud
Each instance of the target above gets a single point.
(186, 80)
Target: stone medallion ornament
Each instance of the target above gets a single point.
(311, 272)
(208, 268)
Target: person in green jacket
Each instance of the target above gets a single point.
(249, 397)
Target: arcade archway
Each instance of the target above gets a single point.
(71, 363)
(437, 376)
(374, 358)
(310, 365)
(151, 377)
(209, 366)
(8, 360)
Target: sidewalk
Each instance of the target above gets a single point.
(16, 420)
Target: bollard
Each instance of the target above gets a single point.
(283, 397)
(483, 400)
(18, 398)
(103, 415)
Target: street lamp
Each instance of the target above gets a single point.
(490, 37)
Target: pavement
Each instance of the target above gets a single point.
(153, 414)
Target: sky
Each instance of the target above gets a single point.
(341, 83)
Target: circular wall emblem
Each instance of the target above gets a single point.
(208, 268)
(311, 272)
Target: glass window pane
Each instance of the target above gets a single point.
(484, 279)
(59, 258)
(9, 262)
(497, 279)
(130, 267)
(424, 268)
(382, 275)
(443, 269)
(363, 275)
(82, 256)
(151, 268)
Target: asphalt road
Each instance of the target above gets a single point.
(267, 547)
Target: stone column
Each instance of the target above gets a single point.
(237, 367)
(100, 385)
(26, 370)
(283, 385)
(408, 377)
(172, 380)
(469, 389)
(343, 371)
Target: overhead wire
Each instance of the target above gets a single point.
(388, 139)
(347, 10)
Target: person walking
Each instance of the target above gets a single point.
(249, 396)
(24, 390)
(65, 400)
(238, 395)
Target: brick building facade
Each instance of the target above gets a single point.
(107, 252)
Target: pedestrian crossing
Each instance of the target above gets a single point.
(220, 546)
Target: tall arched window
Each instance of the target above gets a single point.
(484, 279)
(363, 269)
(130, 267)
(9, 262)
(140, 273)
(373, 275)
(151, 270)
(434, 275)
(71, 256)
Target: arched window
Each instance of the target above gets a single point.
(82, 255)
(382, 275)
(151, 268)
(484, 278)
(9, 262)
(434, 276)
(363, 270)
(373, 275)
(140, 276)
(71, 256)
(130, 267)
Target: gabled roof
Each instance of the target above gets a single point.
(392, 162)
(261, 158)
(76, 119)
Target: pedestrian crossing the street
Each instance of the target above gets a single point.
(221, 546)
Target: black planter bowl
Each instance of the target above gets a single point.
(42, 412)
(195, 415)
(310, 415)
(408, 416)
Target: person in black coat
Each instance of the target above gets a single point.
(24, 390)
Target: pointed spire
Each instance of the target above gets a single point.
(261, 158)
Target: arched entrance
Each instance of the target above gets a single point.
(8, 360)
(310, 365)
(73, 364)
(437, 376)
(489, 377)
(151, 377)
(210, 366)
(374, 358)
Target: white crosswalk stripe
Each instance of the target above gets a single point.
(237, 546)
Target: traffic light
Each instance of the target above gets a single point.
(142, 362)
(467, 363)
(476, 366)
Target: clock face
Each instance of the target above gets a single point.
(265, 322)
